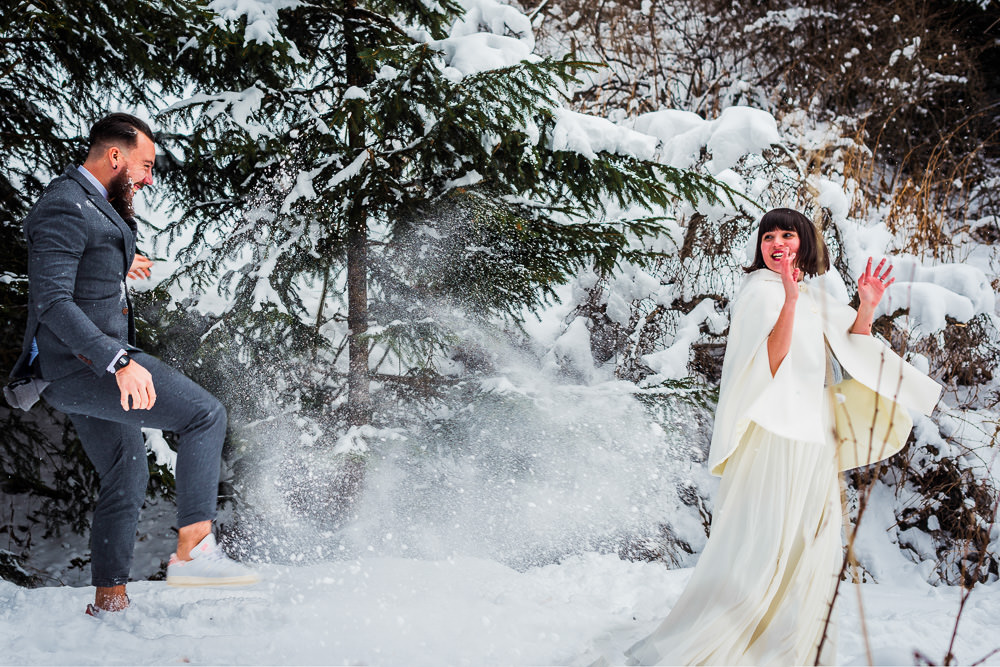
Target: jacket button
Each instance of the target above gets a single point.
(124, 311)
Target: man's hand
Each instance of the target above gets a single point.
(136, 383)
(140, 267)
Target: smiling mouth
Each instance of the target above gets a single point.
(777, 255)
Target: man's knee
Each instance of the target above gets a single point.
(205, 414)
(215, 413)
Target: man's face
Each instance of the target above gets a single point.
(134, 172)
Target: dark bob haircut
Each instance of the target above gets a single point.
(813, 258)
(117, 128)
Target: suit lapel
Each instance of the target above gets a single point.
(108, 210)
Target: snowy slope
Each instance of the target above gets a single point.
(387, 611)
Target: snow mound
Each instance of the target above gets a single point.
(488, 36)
(738, 131)
(590, 135)
(934, 293)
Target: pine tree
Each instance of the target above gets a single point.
(431, 185)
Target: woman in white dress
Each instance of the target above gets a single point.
(784, 428)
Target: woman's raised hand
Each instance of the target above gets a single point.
(790, 276)
(872, 285)
(779, 342)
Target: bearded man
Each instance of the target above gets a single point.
(79, 353)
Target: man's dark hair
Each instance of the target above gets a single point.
(115, 128)
(813, 258)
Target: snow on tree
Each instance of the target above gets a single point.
(410, 156)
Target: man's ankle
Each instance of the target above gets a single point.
(111, 598)
(189, 536)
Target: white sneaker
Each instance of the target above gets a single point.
(208, 566)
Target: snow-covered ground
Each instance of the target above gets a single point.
(462, 611)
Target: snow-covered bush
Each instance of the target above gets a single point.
(904, 85)
(879, 145)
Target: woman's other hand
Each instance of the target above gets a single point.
(871, 289)
(871, 286)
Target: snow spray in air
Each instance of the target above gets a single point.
(523, 466)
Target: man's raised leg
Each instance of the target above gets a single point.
(198, 420)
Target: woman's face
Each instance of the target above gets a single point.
(777, 244)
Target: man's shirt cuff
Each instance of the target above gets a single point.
(111, 366)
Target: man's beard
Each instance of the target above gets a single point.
(120, 197)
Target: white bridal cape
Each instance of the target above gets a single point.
(761, 592)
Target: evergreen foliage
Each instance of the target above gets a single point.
(341, 137)
(441, 188)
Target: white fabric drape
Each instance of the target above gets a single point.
(761, 591)
(748, 394)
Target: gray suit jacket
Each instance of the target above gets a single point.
(79, 251)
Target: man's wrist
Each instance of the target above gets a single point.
(120, 361)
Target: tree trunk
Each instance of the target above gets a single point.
(358, 397)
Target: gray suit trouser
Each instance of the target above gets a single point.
(112, 439)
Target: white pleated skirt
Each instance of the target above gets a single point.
(761, 591)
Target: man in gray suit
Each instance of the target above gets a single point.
(80, 340)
